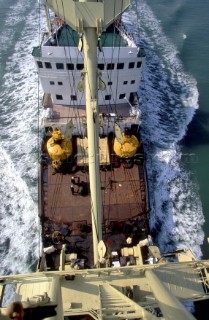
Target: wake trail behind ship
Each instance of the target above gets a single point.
(169, 99)
(19, 223)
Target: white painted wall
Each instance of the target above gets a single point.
(71, 78)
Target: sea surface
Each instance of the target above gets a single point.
(175, 35)
(175, 117)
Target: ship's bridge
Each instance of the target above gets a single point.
(60, 65)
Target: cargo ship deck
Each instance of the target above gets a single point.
(65, 206)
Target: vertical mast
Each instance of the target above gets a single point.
(90, 17)
(168, 302)
(91, 86)
(47, 18)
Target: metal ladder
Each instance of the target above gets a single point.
(115, 305)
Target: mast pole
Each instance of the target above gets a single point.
(168, 302)
(47, 18)
(90, 16)
(91, 85)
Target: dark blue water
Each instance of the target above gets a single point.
(170, 102)
(185, 24)
(175, 125)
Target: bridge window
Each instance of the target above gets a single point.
(51, 83)
(132, 81)
(60, 83)
(60, 66)
(48, 65)
(131, 65)
(73, 97)
(139, 63)
(108, 97)
(101, 66)
(40, 64)
(59, 97)
(122, 96)
(120, 65)
(70, 66)
(110, 66)
(80, 66)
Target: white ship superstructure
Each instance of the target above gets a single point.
(60, 66)
(98, 259)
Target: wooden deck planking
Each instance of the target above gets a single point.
(121, 196)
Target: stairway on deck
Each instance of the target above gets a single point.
(115, 305)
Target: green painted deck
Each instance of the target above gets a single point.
(67, 37)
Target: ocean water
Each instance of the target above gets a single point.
(169, 102)
(177, 31)
(174, 116)
(19, 224)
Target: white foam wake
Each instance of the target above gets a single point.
(176, 217)
(19, 223)
(169, 99)
(19, 143)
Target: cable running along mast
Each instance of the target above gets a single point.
(90, 24)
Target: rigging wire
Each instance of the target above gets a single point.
(76, 105)
(120, 40)
(75, 109)
(56, 195)
(133, 185)
(109, 74)
(38, 128)
(78, 53)
(72, 85)
(87, 82)
(71, 34)
(114, 39)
